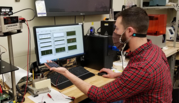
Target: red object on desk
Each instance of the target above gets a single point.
(0, 89)
(50, 96)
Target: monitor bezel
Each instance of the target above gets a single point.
(50, 14)
(36, 44)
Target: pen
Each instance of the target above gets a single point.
(50, 96)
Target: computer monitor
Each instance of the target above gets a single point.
(58, 42)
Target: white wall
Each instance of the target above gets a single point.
(20, 40)
(117, 5)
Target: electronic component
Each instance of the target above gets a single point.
(58, 42)
(98, 52)
(9, 24)
(52, 64)
(170, 33)
(4, 96)
(5, 10)
(41, 83)
(35, 92)
(92, 30)
(64, 8)
(107, 27)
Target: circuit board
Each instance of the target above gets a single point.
(4, 96)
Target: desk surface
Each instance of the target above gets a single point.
(170, 51)
(96, 80)
(170, 44)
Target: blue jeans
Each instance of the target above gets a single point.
(121, 101)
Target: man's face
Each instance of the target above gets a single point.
(119, 30)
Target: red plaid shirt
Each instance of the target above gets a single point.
(146, 79)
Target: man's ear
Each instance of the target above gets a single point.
(130, 31)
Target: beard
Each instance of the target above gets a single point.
(118, 44)
(124, 40)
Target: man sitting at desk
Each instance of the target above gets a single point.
(147, 75)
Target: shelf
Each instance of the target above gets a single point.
(159, 7)
(6, 67)
(10, 33)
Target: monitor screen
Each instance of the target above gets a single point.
(72, 7)
(58, 42)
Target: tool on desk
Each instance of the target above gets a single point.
(50, 96)
(35, 92)
(41, 83)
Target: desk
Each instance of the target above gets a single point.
(96, 80)
(100, 81)
(170, 44)
(171, 56)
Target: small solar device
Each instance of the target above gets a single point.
(52, 64)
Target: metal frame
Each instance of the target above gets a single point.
(166, 7)
(171, 59)
(11, 59)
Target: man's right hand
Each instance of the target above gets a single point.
(60, 70)
(110, 73)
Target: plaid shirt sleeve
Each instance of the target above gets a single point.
(131, 82)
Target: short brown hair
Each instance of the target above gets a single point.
(135, 17)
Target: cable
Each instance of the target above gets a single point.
(122, 55)
(27, 9)
(57, 80)
(70, 98)
(29, 48)
(54, 21)
(75, 19)
(4, 48)
(98, 30)
(3, 81)
(3, 84)
(83, 19)
(27, 61)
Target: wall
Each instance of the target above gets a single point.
(20, 40)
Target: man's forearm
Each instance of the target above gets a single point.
(80, 84)
(117, 74)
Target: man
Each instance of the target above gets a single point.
(147, 75)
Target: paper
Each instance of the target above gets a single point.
(40, 7)
(165, 48)
(18, 75)
(56, 95)
(117, 66)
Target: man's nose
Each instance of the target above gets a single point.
(115, 31)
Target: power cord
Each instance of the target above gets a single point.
(28, 59)
(98, 30)
(29, 48)
(75, 19)
(4, 48)
(54, 20)
(27, 9)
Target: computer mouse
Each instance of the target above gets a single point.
(102, 73)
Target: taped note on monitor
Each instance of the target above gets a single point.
(41, 8)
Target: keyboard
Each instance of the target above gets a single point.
(62, 82)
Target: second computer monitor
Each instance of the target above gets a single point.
(58, 42)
